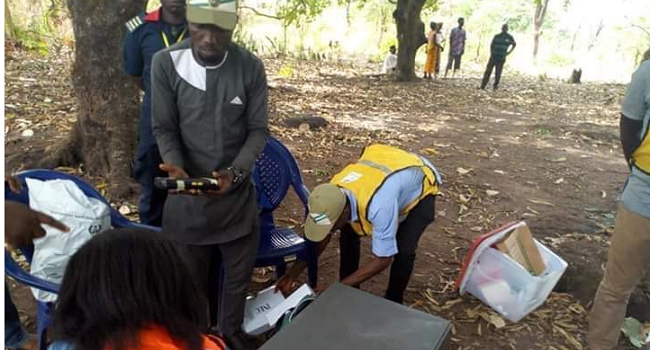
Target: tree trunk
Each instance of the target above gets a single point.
(410, 36)
(540, 13)
(10, 27)
(103, 138)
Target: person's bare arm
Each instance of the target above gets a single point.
(285, 283)
(23, 224)
(367, 271)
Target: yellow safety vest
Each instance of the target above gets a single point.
(641, 156)
(365, 177)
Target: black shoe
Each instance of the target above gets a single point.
(240, 341)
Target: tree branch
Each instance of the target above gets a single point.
(260, 13)
(642, 28)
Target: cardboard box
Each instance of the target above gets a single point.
(521, 247)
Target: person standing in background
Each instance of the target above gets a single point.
(456, 47)
(147, 34)
(499, 50)
(432, 52)
(440, 43)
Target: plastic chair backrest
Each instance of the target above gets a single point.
(275, 170)
(117, 219)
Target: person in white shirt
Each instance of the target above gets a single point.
(390, 62)
(440, 41)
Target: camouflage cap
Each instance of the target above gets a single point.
(222, 13)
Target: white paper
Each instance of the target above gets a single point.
(265, 309)
(258, 307)
(290, 302)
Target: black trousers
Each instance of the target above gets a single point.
(408, 236)
(492, 63)
(453, 60)
(223, 272)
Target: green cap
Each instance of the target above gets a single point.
(222, 13)
(326, 204)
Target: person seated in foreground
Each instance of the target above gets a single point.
(390, 62)
(128, 289)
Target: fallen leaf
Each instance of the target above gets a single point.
(497, 321)
(535, 201)
(558, 160)
(464, 171)
(559, 181)
(430, 151)
(477, 228)
(568, 337)
(501, 172)
(27, 133)
(603, 194)
(125, 210)
(304, 127)
(451, 303)
(491, 193)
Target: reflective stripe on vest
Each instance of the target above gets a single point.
(641, 156)
(376, 165)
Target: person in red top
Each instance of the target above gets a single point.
(129, 289)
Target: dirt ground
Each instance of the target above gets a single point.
(543, 151)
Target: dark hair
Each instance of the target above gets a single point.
(646, 56)
(122, 281)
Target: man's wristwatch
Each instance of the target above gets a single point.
(237, 174)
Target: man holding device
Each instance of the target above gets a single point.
(210, 119)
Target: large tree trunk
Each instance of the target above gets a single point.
(410, 34)
(10, 27)
(104, 135)
(540, 13)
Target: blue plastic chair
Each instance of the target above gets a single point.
(275, 171)
(44, 317)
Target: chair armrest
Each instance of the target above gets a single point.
(119, 221)
(16, 272)
(303, 194)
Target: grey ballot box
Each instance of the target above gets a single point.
(345, 318)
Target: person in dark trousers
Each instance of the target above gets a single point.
(147, 34)
(499, 50)
(456, 47)
(388, 194)
(210, 119)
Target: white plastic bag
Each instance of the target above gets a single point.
(85, 216)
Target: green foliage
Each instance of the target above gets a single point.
(247, 40)
(286, 71)
(301, 11)
(556, 59)
(32, 39)
(544, 130)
